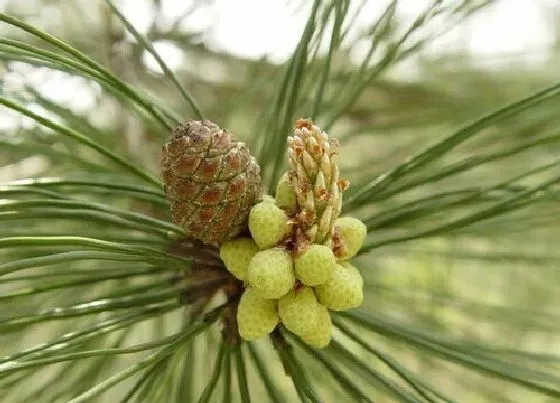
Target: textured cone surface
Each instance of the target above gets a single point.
(322, 335)
(236, 254)
(353, 233)
(268, 224)
(256, 316)
(211, 181)
(298, 311)
(355, 272)
(315, 265)
(286, 195)
(271, 273)
(343, 290)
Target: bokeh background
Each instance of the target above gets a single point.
(493, 283)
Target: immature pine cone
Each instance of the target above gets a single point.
(211, 181)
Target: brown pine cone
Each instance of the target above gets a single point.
(211, 181)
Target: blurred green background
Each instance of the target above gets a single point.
(487, 284)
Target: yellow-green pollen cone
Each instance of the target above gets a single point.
(354, 270)
(315, 265)
(268, 224)
(343, 290)
(286, 197)
(298, 310)
(236, 255)
(321, 336)
(352, 233)
(256, 316)
(271, 273)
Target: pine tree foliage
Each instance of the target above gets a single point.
(456, 175)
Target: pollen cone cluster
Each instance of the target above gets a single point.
(211, 181)
(295, 265)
